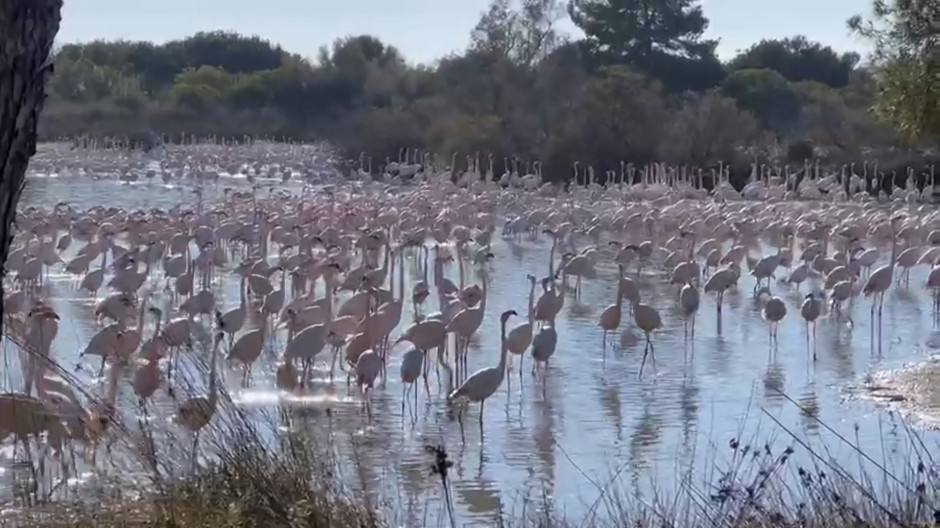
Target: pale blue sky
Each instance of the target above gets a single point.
(423, 30)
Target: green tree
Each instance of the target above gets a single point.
(767, 95)
(229, 51)
(798, 59)
(708, 128)
(660, 37)
(202, 89)
(519, 92)
(621, 115)
(525, 31)
(83, 81)
(906, 64)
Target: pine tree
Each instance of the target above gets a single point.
(650, 35)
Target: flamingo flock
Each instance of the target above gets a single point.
(320, 269)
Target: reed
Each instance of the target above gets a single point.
(274, 469)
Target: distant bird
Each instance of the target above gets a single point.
(610, 317)
(810, 311)
(485, 382)
(647, 319)
(721, 280)
(880, 280)
(689, 300)
(774, 311)
(196, 413)
(412, 364)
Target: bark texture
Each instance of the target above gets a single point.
(27, 32)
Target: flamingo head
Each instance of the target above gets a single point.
(809, 296)
(506, 315)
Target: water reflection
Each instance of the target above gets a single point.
(774, 381)
(545, 443)
(480, 498)
(647, 433)
(609, 396)
(688, 401)
(809, 409)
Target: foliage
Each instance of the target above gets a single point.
(643, 85)
(525, 35)
(767, 95)
(798, 59)
(906, 64)
(661, 38)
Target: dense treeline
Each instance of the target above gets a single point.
(643, 85)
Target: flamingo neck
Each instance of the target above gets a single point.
(532, 303)
(213, 384)
(503, 349)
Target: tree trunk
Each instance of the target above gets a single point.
(27, 31)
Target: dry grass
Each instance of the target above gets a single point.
(253, 486)
(249, 483)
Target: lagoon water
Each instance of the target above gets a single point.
(588, 421)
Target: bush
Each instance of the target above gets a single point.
(556, 101)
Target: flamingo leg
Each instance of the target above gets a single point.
(646, 351)
(463, 438)
(195, 447)
(814, 340)
(482, 402)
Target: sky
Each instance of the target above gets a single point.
(423, 30)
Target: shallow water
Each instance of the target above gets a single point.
(914, 389)
(589, 418)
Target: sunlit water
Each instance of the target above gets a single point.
(588, 420)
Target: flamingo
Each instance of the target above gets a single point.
(485, 382)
